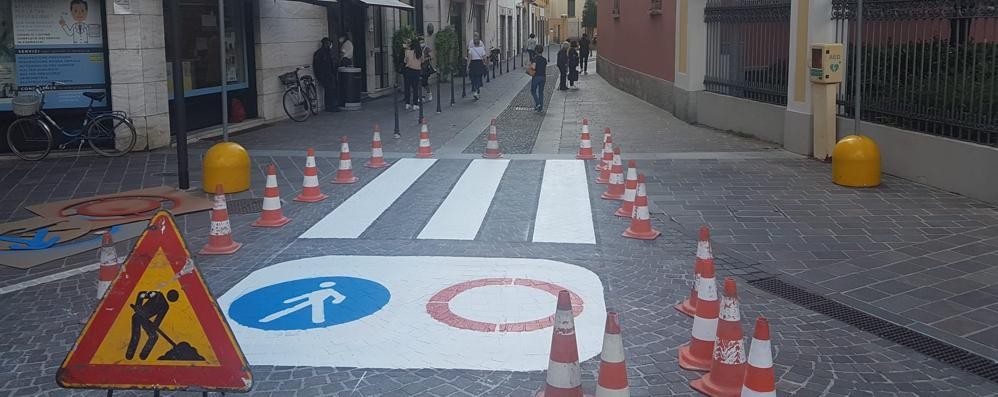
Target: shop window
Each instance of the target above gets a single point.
(656, 7)
(571, 8)
(615, 8)
(52, 40)
(200, 52)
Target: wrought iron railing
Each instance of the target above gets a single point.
(748, 45)
(928, 65)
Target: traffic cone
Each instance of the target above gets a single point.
(604, 162)
(310, 192)
(345, 173)
(615, 188)
(612, 380)
(108, 265)
(492, 146)
(630, 190)
(760, 381)
(641, 219)
(699, 353)
(727, 368)
(564, 376)
(220, 235)
(272, 215)
(689, 306)
(585, 145)
(604, 165)
(424, 151)
(377, 154)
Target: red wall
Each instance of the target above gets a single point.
(638, 40)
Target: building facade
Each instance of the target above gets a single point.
(565, 19)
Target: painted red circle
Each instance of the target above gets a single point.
(439, 305)
(119, 206)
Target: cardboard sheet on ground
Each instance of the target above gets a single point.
(26, 259)
(158, 326)
(411, 312)
(115, 209)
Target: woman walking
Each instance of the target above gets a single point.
(477, 56)
(573, 64)
(538, 64)
(412, 73)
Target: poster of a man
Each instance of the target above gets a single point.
(80, 30)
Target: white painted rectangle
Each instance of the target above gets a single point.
(463, 211)
(563, 211)
(358, 212)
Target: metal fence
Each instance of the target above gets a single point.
(928, 65)
(748, 45)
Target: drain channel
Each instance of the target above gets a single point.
(934, 348)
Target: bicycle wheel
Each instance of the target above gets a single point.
(295, 105)
(111, 135)
(29, 138)
(313, 96)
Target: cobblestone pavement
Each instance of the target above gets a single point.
(518, 130)
(777, 212)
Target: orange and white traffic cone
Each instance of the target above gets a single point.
(272, 215)
(492, 145)
(615, 188)
(641, 218)
(585, 144)
(310, 192)
(604, 165)
(377, 153)
(612, 380)
(727, 369)
(689, 306)
(760, 379)
(424, 151)
(605, 162)
(630, 190)
(564, 376)
(108, 265)
(344, 174)
(220, 235)
(699, 353)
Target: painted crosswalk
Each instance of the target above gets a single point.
(459, 210)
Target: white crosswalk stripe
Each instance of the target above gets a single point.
(564, 214)
(463, 211)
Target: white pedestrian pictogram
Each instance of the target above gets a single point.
(316, 299)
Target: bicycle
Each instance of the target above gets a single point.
(301, 98)
(109, 133)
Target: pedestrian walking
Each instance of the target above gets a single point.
(324, 67)
(427, 71)
(477, 58)
(538, 66)
(411, 74)
(562, 66)
(584, 53)
(573, 64)
(532, 46)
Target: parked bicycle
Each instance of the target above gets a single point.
(109, 133)
(301, 98)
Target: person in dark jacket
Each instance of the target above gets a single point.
(562, 64)
(324, 67)
(573, 64)
(584, 53)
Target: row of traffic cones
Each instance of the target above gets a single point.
(716, 344)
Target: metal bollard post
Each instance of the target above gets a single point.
(464, 90)
(419, 100)
(395, 101)
(452, 88)
(439, 98)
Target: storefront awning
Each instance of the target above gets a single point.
(387, 3)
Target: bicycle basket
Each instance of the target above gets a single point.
(26, 105)
(288, 79)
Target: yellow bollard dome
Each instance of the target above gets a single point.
(856, 162)
(228, 164)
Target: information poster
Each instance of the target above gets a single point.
(8, 73)
(57, 40)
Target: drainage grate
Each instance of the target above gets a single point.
(245, 206)
(162, 174)
(523, 108)
(921, 343)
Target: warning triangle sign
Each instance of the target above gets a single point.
(158, 326)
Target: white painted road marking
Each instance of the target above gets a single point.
(564, 214)
(463, 211)
(357, 213)
(402, 333)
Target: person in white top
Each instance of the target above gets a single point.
(477, 58)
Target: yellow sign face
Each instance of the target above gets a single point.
(133, 340)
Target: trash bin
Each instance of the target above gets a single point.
(350, 82)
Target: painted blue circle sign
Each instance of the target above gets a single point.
(309, 303)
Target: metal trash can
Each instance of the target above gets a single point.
(350, 82)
